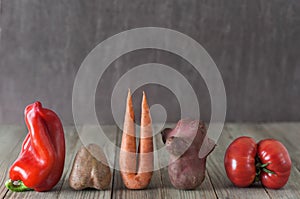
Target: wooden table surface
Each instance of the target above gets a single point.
(215, 185)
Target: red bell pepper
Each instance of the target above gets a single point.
(41, 160)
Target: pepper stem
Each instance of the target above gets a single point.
(16, 186)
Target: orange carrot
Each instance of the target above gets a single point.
(136, 177)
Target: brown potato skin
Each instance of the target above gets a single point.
(90, 169)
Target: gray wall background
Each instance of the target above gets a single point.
(255, 44)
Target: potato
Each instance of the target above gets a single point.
(187, 163)
(90, 169)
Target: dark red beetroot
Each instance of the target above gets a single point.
(187, 162)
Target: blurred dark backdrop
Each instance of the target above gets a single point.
(255, 44)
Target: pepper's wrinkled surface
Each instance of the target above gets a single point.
(41, 160)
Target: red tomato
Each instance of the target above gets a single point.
(268, 160)
(240, 161)
(276, 155)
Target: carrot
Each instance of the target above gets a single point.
(136, 176)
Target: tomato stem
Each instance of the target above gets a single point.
(264, 165)
(268, 171)
(261, 167)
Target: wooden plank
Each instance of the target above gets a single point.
(263, 131)
(10, 145)
(90, 134)
(71, 138)
(223, 187)
(9, 137)
(288, 135)
(215, 184)
(205, 190)
(153, 190)
(293, 132)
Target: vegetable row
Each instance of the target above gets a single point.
(40, 163)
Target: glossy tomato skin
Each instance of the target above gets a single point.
(273, 152)
(239, 161)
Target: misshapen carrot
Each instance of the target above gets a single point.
(136, 177)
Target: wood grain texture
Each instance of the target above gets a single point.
(223, 187)
(284, 133)
(206, 189)
(120, 191)
(215, 185)
(92, 132)
(10, 145)
(276, 131)
(71, 139)
(255, 45)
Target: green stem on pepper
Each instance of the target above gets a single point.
(16, 186)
